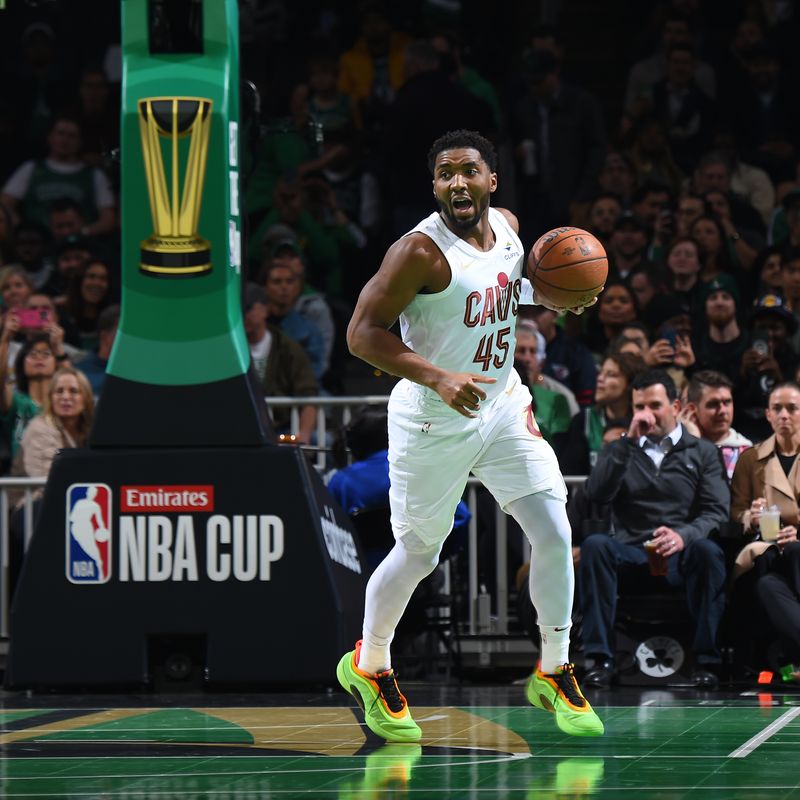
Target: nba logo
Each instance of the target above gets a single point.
(88, 533)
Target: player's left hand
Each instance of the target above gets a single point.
(562, 309)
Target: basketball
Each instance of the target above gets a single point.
(568, 267)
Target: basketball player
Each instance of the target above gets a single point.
(455, 282)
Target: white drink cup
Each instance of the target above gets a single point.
(770, 523)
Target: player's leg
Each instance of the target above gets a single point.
(520, 469)
(366, 671)
(429, 459)
(553, 686)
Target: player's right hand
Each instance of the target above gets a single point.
(461, 392)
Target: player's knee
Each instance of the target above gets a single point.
(423, 554)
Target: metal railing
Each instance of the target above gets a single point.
(344, 407)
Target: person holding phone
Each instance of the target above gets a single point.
(768, 361)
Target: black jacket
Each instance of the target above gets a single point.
(688, 493)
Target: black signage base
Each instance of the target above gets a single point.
(144, 561)
(135, 414)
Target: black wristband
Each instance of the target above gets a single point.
(62, 357)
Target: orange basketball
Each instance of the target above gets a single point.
(568, 267)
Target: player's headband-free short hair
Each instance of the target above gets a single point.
(453, 140)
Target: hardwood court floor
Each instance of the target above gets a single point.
(479, 743)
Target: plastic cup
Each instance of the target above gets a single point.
(770, 524)
(656, 562)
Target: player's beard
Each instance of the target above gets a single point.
(464, 223)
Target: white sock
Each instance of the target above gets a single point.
(555, 647)
(552, 577)
(388, 591)
(374, 655)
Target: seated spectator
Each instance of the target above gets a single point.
(93, 365)
(768, 273)
(550, 407)
(768, 361)
(790, 287)
(768, 475)
(538, 347)
(747, 182)
(651, 154)
(720, 344)
(281, 365)
(89, 292)
(690, 207)
(714, 173)
(282, 286)
(309, 304)
(50, 315)
(71, 254)
(708, 414)
(62, 173)
(568, 361)
(646, 282)
(784, 226)
(15, 287)
(627, 246)
(636, 333)
(745, 242)
(683, 266)
(364, 484)
(604, 211)
(22, 401)
(715, 254)
(644, 74)
(617, 177)
(615, 308)
(65, 218)
(65, 421)
(578, 449)
(98, 115)
(670, 322)
(764, 598)
(665, 486)
(32, 243)
(684, 109)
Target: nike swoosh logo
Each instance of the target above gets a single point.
(468, 264)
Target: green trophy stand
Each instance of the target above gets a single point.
(182, 548)
(178, 371)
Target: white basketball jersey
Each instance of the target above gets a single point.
(470, 326)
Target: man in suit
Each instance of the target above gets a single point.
(666, 488)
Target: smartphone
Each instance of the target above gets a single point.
(671, 335)
(760, 342)
(32, 318)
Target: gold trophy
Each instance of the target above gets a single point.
(175, 249)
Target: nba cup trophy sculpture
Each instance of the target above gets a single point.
(175, 249)
(169, 551)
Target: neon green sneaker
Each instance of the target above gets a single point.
(385, 709)
(559, 692)
(387, 773)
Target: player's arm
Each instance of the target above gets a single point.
(411, 264)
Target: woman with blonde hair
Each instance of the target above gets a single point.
(65, 421)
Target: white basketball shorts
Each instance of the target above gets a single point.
(433, 449)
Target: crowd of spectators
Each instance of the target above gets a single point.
(685, 163)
